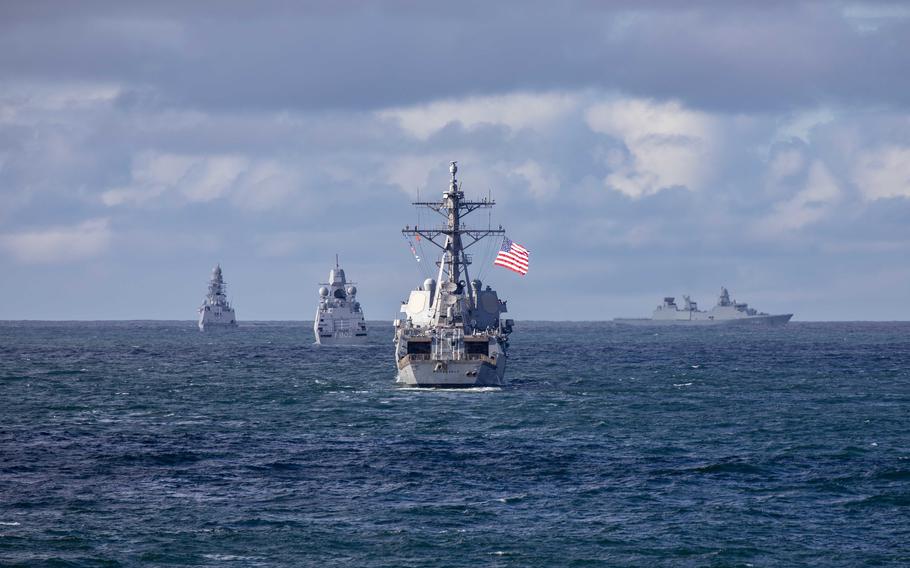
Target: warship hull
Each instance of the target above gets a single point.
(773, 320)
(341, 339)
(213, 326)
(448, 374)
(223, 319)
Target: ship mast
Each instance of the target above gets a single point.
(217, 295)
(453, 239)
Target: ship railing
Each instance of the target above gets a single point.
(464, 357)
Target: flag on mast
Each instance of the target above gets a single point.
(413, 250)
(512, 256)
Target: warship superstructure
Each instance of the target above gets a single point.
(452, 333)
(726, 311)
(339, 317)
(216, 311)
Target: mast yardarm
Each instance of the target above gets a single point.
(453, 238)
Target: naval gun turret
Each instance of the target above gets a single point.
(452, 333)
(339, 317)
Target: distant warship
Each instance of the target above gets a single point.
(216, 311)
(451, 334)
(725, 312)
(339, 319)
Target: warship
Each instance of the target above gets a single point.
(339, 318)
(726, 311)
(451, 334)
(216, 311)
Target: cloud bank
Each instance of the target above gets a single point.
(641, 149)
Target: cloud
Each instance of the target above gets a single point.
(816, 199)
(663, 142)
(541, 184)
(883, 173)
(59, 244)
(252, 184)
(516, 111)
(665, 145)
(735, 57)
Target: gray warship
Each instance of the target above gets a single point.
(339, 318)
(216, 311)
(451, 334)
(726, 312)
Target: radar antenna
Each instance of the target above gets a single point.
(452, 238)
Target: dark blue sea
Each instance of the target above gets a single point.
(152, 444)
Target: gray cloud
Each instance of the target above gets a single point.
(279, 55)
(641, 151)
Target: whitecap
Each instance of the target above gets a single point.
(682, 384)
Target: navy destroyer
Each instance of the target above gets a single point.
(451, 333)
(339, 317)
(216, 311)
(726, 311)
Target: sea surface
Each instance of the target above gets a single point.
(152, 444)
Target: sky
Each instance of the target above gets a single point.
(638, 149)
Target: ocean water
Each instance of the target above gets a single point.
(152, 444)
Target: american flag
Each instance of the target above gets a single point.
(512, 256)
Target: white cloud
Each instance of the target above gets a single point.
(259, 185)
(787, 163)
(800, 124)
(541, 184)
(667, 144)
(59, 244)
(152, 175)
(265, 185)
(412, 171)
(807, 206)
(883, 173)
(517, 111)
(211, 177)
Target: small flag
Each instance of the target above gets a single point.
(413, 250)
(512, 256)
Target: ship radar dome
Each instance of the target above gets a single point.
(352, 290)
(323, 291)
(429, 284)
(476, 284)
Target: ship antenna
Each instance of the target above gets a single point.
(336, 260)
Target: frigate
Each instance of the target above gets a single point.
(726, 311)
(339, 317)
(451, 333)
(216, 311)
